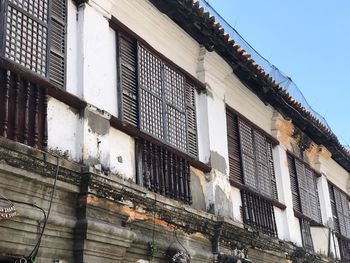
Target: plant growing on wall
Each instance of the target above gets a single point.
(152, 249)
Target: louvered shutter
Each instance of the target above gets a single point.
(341, 217)
(334, 208)
(233, 148)
(272, 171)
(303, 188)
(294, 184)
(127, 49)
(58, 42)
(262, 163)
(342, 205)
(191, 119)
(248, 154)
(315, 212)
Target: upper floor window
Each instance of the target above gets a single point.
(305, 197)
(33, 34)
(304, 189)
(250, 156)
(341, 219)
(156, 97)
(252, 169)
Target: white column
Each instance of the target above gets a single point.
(289, 229)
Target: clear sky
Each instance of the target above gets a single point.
(309, 40)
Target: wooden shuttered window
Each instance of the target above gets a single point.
(250, 156)
(340, 210)
(155, 97)
(58, 20)
(294, 184)
(34, 34)
(304, 189)
(234, 151)
(334, 208)
(127, 60)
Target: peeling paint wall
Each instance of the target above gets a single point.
(65, 127)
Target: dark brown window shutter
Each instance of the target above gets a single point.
(342, 204)
(127, 50)
(233, 148)
(304, 185)
(191, 119)
(294, 184)
(272, 170)
(248, 154)
(334, 208)
(303, 188)
(57, 66)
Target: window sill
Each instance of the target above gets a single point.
(136, 133)
(312, 222)
(249, 189)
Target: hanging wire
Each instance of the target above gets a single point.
(282, 79)
(35, 250)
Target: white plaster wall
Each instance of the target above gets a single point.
(98, 60)
(236, 95)
(122, 154)
(72, 51)
(203, 128)
(320, 238)
(237, 204)
(282, 231)
(335, 173)
(64, 129)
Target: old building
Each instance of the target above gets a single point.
(139, 131)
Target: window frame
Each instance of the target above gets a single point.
(337, 228)
(269, 138)
(48, 54)
(121, 30)
(316, 174)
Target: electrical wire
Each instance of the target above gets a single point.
(35, 250)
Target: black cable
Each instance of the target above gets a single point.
(35, 250)
(188, 254)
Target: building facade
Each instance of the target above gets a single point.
(138, 131)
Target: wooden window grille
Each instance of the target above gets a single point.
(155, 97)
(258, 213)
(33, 35)
(304, 189)
(340, 210)
(23, 110)
(344, 247)
(306, 234)
(163, 172)
(250, 156)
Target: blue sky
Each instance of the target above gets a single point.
(309, 40)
